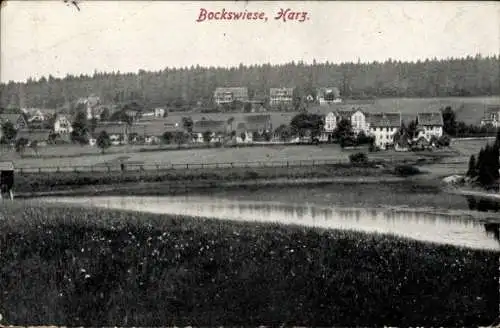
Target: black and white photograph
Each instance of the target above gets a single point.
(249, 163)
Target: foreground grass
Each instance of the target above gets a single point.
(73, 266)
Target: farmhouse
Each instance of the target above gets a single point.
(254, 127)
(280, 96)
(431, 125)
(327, 96)
(116, 131)
(228, 95)
(17, 120)
(62, 124)
(383, 126)
(491, 116)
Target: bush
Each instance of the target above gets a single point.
(444, 141)
(406, 170)
(358, 158)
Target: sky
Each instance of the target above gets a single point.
(39, 38)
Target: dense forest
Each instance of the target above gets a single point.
(178, 87)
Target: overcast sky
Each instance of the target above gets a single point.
(50, 37)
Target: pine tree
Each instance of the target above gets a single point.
(471, 172)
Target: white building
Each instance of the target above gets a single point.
(383, 126)
(358, 122)
(430, 124)
(280, 96)
(491, 116)
(329, 127)
(62, 124)
(328, 96)
(228, 95)
(159, 112)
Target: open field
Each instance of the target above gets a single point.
(224, 155)
(71, 266)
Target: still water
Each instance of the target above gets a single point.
(421, 226)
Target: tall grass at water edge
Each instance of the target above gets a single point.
(79, 266)
(32, 182)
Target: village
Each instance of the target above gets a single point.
(236, 120)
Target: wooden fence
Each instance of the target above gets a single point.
(137, 167)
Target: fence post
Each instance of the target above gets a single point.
(39, 170)
(157, 167)
(187, 166)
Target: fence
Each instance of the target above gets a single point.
(137, 167)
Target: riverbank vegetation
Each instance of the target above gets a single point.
(72, 266)
(36, 182)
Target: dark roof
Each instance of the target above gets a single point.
(110, 128)
(209, 125)
(385, 119)
(33, 134)
(345, 114)
(434, 118)
(12, 118)
(155, 127)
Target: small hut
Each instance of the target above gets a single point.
(6, 179)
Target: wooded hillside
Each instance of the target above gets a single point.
(176, 87)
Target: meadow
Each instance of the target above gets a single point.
(72, 266)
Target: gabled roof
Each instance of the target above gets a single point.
(385, 120)
(12, 118)
(209, 125)
(6, 166)
(33, 134)
(431, 118)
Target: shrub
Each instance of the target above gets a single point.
(358, 158)
(406, 170)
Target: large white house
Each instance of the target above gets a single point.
(358, 122)
(329, 127)
(383, 126)
(62, 124)
(429, 125)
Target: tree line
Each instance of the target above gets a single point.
(192, 86)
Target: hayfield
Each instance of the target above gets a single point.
(64, 265)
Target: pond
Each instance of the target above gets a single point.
(436, 228)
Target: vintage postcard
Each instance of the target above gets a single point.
(249, 163)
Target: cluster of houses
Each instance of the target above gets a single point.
(385, 128)
(282, 96)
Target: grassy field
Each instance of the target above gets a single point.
(72, 266)
(276, 153)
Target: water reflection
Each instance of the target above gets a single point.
(421, 226)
